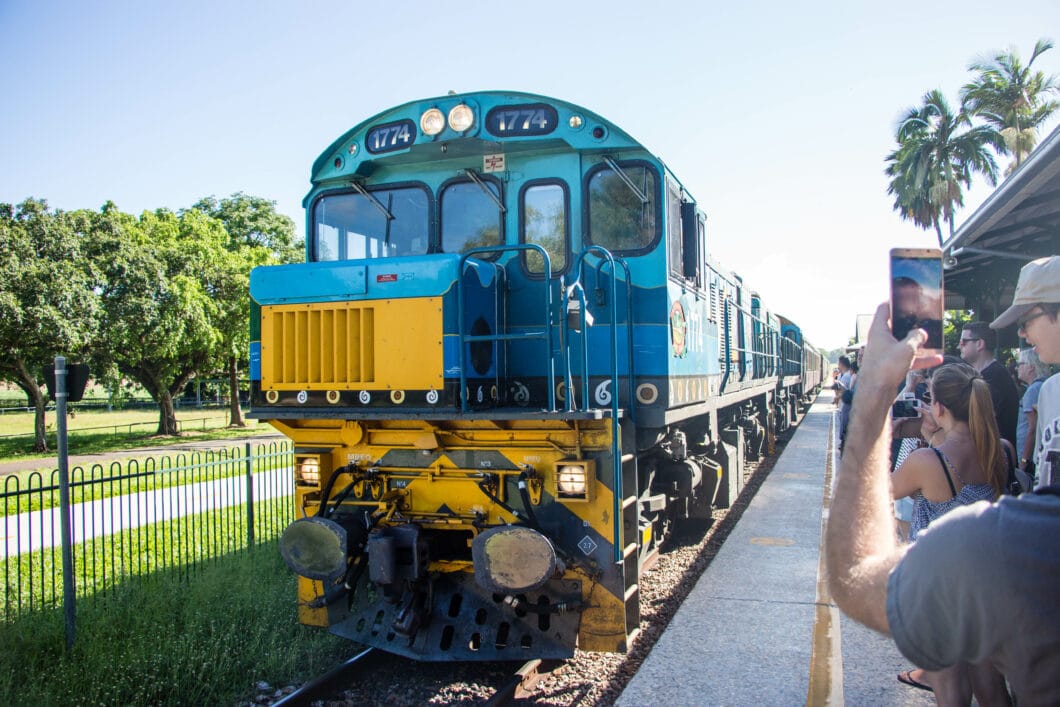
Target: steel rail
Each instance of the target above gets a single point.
(522, 682)
(324, 684)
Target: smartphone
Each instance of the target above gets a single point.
(905, 408)
(917, 295)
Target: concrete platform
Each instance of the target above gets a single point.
(759, 627)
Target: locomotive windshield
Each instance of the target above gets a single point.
(470, 217)
(379, 224)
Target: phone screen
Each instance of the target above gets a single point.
(905, 408)
(916, 293)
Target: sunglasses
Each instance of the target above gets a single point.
(1022, 323)
(965, 341)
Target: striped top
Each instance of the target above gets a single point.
(925, 511)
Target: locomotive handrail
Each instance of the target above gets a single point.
(729, 348)
(616, 447)
(606, 257)
(764, 336)
(728, 344)
(547, 334)
(797, 361)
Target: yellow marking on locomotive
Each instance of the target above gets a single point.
(603, 624)
(312, 611)
(376, 345)
(441, 482)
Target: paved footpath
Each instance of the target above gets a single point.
(759, 628)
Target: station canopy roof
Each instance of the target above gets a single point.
(1018, 223)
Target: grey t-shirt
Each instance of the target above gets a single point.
(983, 582)
(1047, 444)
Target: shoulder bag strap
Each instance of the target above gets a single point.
(1013, 485)
(945, 470)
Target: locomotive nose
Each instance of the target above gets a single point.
(315, 548)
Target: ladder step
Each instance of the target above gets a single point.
(629, 550)
(633, 589)
(628, 501)
(627, 458)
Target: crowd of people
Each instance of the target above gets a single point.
(943, 526)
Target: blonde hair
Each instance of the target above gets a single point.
(966, 395)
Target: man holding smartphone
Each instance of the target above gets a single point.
(980, 583)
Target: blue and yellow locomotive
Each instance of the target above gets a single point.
(508, 366)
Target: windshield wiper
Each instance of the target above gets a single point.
(482, 185)
(375, 202)
(625, 178)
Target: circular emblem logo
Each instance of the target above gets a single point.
(302, 397)
(365, 397)
(432, 396)
(678, 329)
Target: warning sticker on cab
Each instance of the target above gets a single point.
(492, 163)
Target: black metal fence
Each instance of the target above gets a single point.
(135, 518)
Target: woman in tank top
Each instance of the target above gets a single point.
(966, 466)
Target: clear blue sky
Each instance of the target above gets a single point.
(775, 115)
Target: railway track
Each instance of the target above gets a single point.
(328, 683)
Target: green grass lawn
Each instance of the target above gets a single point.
(92, 432)
(169, 640)
(189, 634)
(33, 582)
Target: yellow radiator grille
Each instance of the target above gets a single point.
(380, 344)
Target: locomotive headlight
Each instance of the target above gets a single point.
(432, 122)
(461, 118)
(308, 470)
(572, 480)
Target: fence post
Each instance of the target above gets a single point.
(69, 594)
(250, 498)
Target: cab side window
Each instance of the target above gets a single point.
(674, 235)
(622, 208)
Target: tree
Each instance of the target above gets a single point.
(159, 308)
(47, 305)
(253, 221)
(938, 152)
(1012, 98)
(257, 235)
(953, 324)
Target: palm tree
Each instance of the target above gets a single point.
(1012, 98)
(911, 203)
(938, 152)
